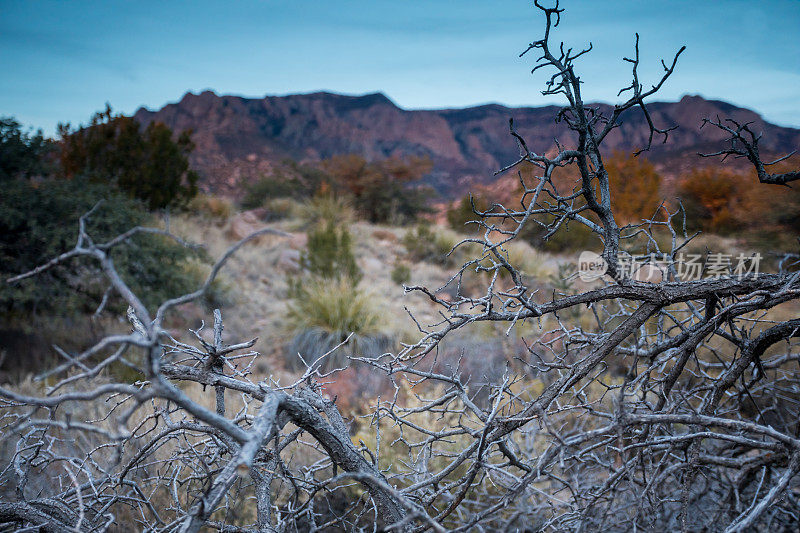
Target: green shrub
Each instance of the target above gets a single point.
(461, 216)
(387, 191)
(333, 305)
(401, 274)
(257, 193)
(329, 254)
(310, 179)
(40, 221)
(425, 245)
(571, 236)
(289, 180)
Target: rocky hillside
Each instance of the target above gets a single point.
(239, 138)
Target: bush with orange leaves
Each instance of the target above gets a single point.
(382, 191)
(635, 191)
(714, 199)
(635, 186)
(722, 201)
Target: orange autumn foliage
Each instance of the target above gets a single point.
(723, 201)
(634, 182)
(714, 199)
(382, 191)
(635, 187)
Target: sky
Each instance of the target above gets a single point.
(63, 60)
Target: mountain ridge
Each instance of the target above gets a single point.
(239, 139)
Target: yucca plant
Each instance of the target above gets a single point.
(326, 207)
(323, 313)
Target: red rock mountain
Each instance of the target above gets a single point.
(239, 138)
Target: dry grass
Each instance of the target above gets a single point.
(214, 207)
(322, 208)
(255, 301)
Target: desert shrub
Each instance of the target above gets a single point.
(574, 237)
(635, 187)
(259, 191)
(326, 304)
(713, 199)
(290, 180)
(462, 215)
(779, 211)
(723, 202)
(335, 306)
(210, 206)
(266, 188)
(401, 273)
(634, 182)
(571, 237)
(40, 221)
(423, 244)
(329, 254)
(310, 179)
(382, 191)
(280, 208)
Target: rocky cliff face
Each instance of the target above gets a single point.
(239, 139)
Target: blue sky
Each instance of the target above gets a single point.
(61, 61)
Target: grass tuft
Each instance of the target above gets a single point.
(324, 312)
(324, 208)
(213, 207)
